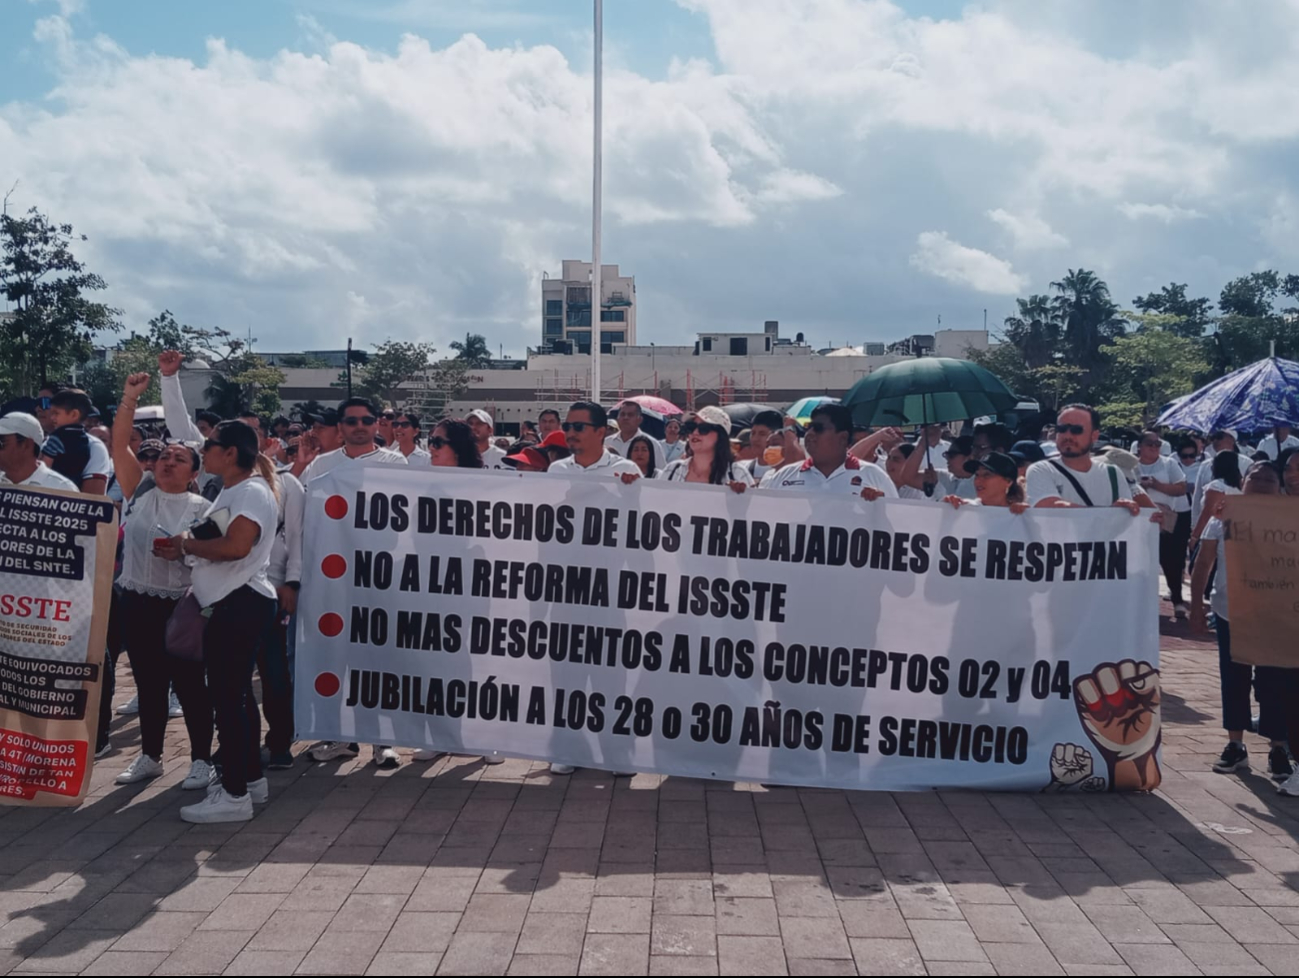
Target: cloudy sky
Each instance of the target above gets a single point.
(314, 169)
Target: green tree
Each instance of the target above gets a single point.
(53, 319)
(473, 351)
(1148, 369)
(388, 366)
(1090, 320)
(1187, 317)
(245, 382)
(1036, 331)
(1251, 321)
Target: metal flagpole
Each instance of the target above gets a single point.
(597, 296)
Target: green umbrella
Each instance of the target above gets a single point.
(927, 390)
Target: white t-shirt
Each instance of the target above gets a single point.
(1167, 470)
(1272, 450)
(286, 555)
(616, 442)
(608, 464)
(1204, 478)
(950, 485)
(213, 580)
(45, 477)
(936, 455)
(332, 460)
(678, 470)
(1045, 481)
(420, 456)
(1214, 530)
(152, 515)
(675, 450)
(851, 477)
(494, 458)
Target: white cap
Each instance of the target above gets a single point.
(18, 423)
(715, 415)
(483, 416)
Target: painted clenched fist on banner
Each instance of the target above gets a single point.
(1118, 704)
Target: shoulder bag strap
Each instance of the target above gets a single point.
(1082, 493)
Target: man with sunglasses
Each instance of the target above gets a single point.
(829, 467)
(584, 431)
(1075, 480)
(630, 419)
(357, 421)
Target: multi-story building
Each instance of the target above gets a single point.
(566, 309)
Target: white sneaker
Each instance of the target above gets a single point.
(259, 791)
(386, 757)
(562, 768)
(173, 706)
(493, 759)
(332, 749)
(130, 708)
(1181, 611)
(200, 776)
(1290, 786)
(219, 806)
(143, 768)
(427, 754)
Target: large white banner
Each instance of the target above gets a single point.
(773, 637)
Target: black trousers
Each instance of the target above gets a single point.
(144, 634)
(277, 685)
(1172, 555)
(231, 640)
(108, 687)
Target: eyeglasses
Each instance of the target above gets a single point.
(352, 421)
(437, 442)
(821, 427)
(1188, 457)
(578, 426)
(402, 424)
(1070, 429)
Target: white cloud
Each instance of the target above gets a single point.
(795, 187)
(1167, 213)
(1028, 230)
(939, 255)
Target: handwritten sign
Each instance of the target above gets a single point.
(1262, 547)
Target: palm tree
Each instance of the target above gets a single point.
(473, 350)
(1035, 331)
(1090, 317)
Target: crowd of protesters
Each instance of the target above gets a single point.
(212, 510)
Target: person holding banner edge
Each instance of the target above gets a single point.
(150, 590)
(1269, 682)
(229, 581)
(1075, 479)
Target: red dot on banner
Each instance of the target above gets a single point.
(335, 507)
(334, 566)
(331, 624)
(327, 684)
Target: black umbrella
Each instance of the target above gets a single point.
(742, 415)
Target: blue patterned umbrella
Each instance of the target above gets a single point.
(1262, 395)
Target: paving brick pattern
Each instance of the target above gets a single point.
(461, 869)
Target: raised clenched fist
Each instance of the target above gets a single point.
(1118, 704)
(169, 362)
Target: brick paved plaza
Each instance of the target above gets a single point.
(461, 869)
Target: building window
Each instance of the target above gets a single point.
(578, 295)
(613, 315)
(554, 307)
(581, 341)
(611, 336)
(708, 344)
(739, 346)
(579, 316)
(554, 327)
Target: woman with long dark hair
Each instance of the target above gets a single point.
(150, 588)
(641, 451)
(711, 461)
(452, 445)
(229, 582)
(1227, 481)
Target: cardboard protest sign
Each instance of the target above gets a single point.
(1262, 549)
(56, 577)
(773, 637)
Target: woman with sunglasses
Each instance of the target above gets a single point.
(230, 582)
(996, 483)
(711, 461)
(405, 429)
(453, 445)
(150, 588)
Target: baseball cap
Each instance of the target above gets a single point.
(527, 456)
(154, 445)
(1027, 452)
(555, 439)
(998, 463)
(714, 415)
(21, 423)
(481, 415)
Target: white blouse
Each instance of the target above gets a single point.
(153, 515)
(678, 470)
